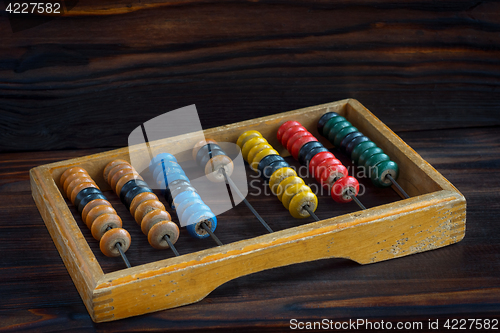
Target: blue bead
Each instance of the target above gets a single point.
(190, 210)
(167, 167)
(185, 204)
(171, 177)
(198, 217)
(186, 195)
(158, 158)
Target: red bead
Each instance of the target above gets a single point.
(323, 165)
(297, 145)
(341, 188)
(286, 125)
(294, 138)
(290, 132)
(332, 172)
(317, 159)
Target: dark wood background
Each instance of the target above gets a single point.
(78, 84)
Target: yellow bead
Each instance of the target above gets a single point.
(291, 191)
(249, 144)
(278, 176)
(247, 136)
(255, 150)
(284, 184)
(300, 200)
(260, 155)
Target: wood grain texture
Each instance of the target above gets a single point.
(88, 78)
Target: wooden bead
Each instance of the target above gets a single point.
(299, 201)
(250, 144)
(331, 174)
(72, 177)
(318, 170)
(118, 172)
(96, 212)
(255, 150)
(291, 191)
(317, 159)
(254, 164)
(286, 125)
(242, 139)
(153, 217)
(201, 144)
(125, 179)
(278, 176)
(156, 235)
(299, 143)
(140, 198)
(343, 188)
(110, 166)
(296, 136)
(145, 207)
(91, 205)
(291, 131)
(69, 172)
(213, 166)
(103, 222)
(283, 186)
(109, 240)
(80, 187)
(71, 186)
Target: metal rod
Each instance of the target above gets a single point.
(124, 257)
(233, 185)
(395, 183)
(306, 207)
(356, 200)
(207, 229)
(171, 245)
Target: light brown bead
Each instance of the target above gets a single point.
(140, 198)
(94, 203)
(125, 179)
(109, 240)
(72, 177)
(200, 144)
(118, 172)
(159, 230)
(71, 186)
(96, 212)
(102, 222)
(145, 207)
(110, 166)
(153, 217)
(213, 166)
(70, 171)
(80, 187)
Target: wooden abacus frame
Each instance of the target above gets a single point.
(433, 217)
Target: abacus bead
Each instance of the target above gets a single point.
(191, 210)
(336, 129)
(287, 182)
(355, 142)
(298, 144)
(181, 189)
(153, 217)
(269, 170)
(194, 228)
(342, 188)
(69, 172)
(71, 186)
(73, 176)
(250, 144)
(215, 164)
(130, 196)
(378, 176)
(204, 155)
(119, 172)
(88, 198)
(296, 136)
(140, 198)
(145, 207)
(124, 180)
(323, 120)
(165, 168)
(185, 204)
(367, 154)
(268, 160)
(109, 240)
(84, 193)
(331, 174)
(130, 185)
(342, 134)
(291, 131)
(80, 187)
(299, 201)
(360, 149)
(286, 125)
(186, 195)
(91, 205)
(103, 222)
(330, 123)
(242, 139)
(156, 235)
(313, 152)
(348, 138)
(317, 159)
(291, 191)
(200, 144)
(96, 212)
(260, 155)
(173, 177)
(373, 160)
(278, 176)
(255, 150)
(323, 165)
(162, 157)
(110, 166)
(306, 148)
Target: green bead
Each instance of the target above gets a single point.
(367, 154)
(336, 129)
(380, 172)
(330, 123)
(342, 134)
(372, 161)
(360, 149)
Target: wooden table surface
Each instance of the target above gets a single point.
(78, 84)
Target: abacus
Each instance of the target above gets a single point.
(432, 217)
